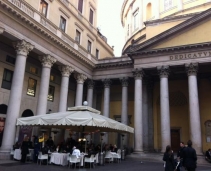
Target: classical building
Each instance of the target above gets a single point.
(53, 57)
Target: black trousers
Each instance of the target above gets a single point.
(190, 169)
(23, 158)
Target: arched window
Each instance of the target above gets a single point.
(149, 11)
(27, 113)
(3, 109)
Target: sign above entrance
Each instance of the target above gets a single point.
(190, 55)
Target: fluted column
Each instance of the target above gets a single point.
(65, 71)
(124, 109)
(164, 108)
(91, 84)
(47, 62)
(22, 49)
(195, 121)
(106, 102)
(80, 78)
(138, 115)
(145, 117)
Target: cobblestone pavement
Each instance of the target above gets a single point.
(126, 165)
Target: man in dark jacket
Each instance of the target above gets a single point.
(190, 157)
(180, 155)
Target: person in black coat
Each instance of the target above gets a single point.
(180, 155)
(24, 149)
(190, 157)
(168, 157)
(208, 155)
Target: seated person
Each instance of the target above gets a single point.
(114, 149)
(208, 155)
(67, 149)
(16, 146)
(76, 152)
(45, 149)
(50, 142)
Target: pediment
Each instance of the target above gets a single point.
(192, 31)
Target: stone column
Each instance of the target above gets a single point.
(91, 84)
(47, 62)
(195, 121)
(22, 49)
(138, 115)
(124, 109)
(65, 71)
(164, 108)
(80, 78)
(150, 116)
(106, 102)
(145, 117)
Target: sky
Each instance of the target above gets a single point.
(109, 23)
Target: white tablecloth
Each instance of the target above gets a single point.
(59, 158)
(17, 154)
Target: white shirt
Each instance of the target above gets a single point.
(76, 152)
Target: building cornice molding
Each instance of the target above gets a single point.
(167, 50)
(40, 29)
(168, 33)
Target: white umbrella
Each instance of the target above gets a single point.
(80, 118)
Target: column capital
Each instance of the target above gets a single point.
(66, 70)
(1, 30)
(163, 71)
(22, 47)
(80, 78)
(107, 82)
(91, 84)
(124, 81)
(138, 73)
(47, 61)
(191, 68)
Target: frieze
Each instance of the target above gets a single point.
(190, 55)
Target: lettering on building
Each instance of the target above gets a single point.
(190, 55)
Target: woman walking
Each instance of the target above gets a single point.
(168, 158)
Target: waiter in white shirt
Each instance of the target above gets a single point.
(76, 152)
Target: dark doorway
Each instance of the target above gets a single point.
(3, 109)
(27, 113)
(175, 139)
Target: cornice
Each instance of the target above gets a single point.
(171, 49)
(170, 18)
(27, 20)
(168, 33)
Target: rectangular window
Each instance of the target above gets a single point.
(167, 4)
(80, 5)
(97, 53)
(7, 79)
(52, 78)
(135, 17)
(51, 93)
(78, 36)
(10, 59)
(62, 25)
(91, 15)
(89, 46)
(33, 70)
(43, 8)
(32, 83)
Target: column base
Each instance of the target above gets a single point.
(4, 155)
(138, 151)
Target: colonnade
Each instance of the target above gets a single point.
(141, 100)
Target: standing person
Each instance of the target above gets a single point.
(180, 155)
(190, 157)
(24, 149)
(36, 148)
(168, 157)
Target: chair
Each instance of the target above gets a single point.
(108, 156)
(96, 158)
(90, 160)
(119, 153)
(12, 153)
(28, 156)
(74, 159)
(117, 156)
(42, 157)
(68, 157)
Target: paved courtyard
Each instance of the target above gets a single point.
(128, 164)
